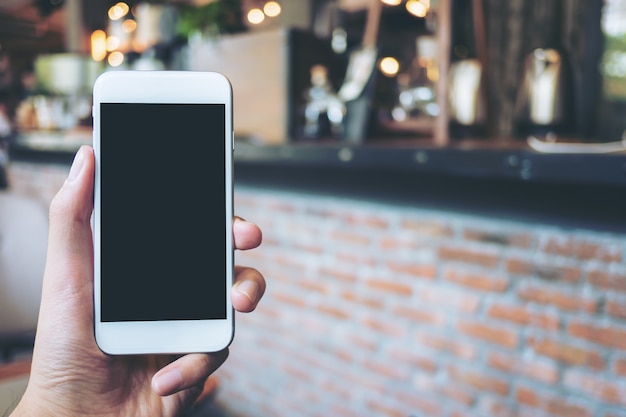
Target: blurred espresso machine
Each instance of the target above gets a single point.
(60, 100)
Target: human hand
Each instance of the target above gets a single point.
(70, 375)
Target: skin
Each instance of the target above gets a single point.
(70, 376)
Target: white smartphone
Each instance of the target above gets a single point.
(163, 211)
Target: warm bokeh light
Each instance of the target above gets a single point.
(113, 43)
(272, 9)
(98, 45)
(129, 25)
(417, 8)
(389, 66)
(392, 2)
(116, 59)
(256, 16)
(118, 11)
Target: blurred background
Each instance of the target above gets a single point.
(441, 186)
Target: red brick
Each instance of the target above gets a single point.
(613, 392)
(341, 410)
(385, 327)
(567, 354)
(457, 394)
(360, 341)
(358, 380)
(612, 337)
(362, 301)
(523, 316)
(608, 281)
(479, 380)
(387, 369)
(516, 266)
(413, 359)
(427, 228)
(519, 240)
(538, 370)
(450, 299)
(476, 281)
(420, 315)
(475, 257)
(334, 312)
(620, 367)
(384, 409)
(334, 274)
(294, 301)
(416, 404)
(296, 373)
(583, 249)
(546, 272)
(350, 238)
(355, 258)
(550, 403)
(493, 407)
(288, 261)
(558, 298)
(275, 205)
(367, 220)
(447, 344)
(313, 286)
(489, 333)
(427, 271)
(502, 362)
(397, 244)
(312, 248)
(616, 308)
(390, 287)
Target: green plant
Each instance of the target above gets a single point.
(218, 16)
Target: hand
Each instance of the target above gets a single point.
(70, 376)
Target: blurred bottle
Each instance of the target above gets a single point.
(416, 101)
(466, 98)
(545, 102)
(324, 112)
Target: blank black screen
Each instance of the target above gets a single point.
(163, 214)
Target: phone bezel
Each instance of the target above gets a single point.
(179, 336)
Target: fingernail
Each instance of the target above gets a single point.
(169, 382)
(77, 164)
(249, 288)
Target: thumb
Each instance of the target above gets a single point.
(68, 279)
(65, 331)
(74, 201)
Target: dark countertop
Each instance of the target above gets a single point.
(506, 161)
(509, 159)
(508, 180)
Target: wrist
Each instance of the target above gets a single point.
(29, 408)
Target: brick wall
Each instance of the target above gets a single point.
(380, 309)
(375, 309)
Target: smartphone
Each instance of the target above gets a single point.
(163, 211)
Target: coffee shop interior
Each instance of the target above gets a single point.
(441, 186)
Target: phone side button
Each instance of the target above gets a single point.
(233, 140)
